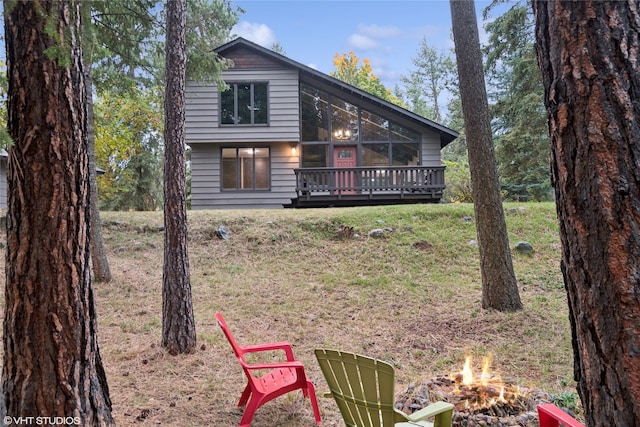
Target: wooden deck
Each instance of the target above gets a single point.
(360, 186)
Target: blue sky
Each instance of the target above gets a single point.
(388, 32)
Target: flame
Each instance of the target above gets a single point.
(467, 373)
(486, 363)
(484, 391)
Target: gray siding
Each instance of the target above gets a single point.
(431, 149)
(205, 180)
(206, 137)
(202, 109)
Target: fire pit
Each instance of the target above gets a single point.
(484, 400)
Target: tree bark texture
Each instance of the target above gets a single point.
(51, 365)
(499, 286)
(588, 52)
(178, 325)
(99, 260)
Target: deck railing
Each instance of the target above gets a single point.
(403, 180)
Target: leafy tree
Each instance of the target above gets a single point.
(522, 147)
(178, 324)
(458, 189)
(361, 76)
(128, 132)
(51, 361)
(499, 286)
(587, 56)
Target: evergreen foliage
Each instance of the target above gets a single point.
(519, 118)
(428, 80)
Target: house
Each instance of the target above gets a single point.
(285, 134)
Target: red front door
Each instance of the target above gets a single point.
(345, 157)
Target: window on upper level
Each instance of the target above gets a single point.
(244, 104)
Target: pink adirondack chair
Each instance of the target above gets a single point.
(281, 378)
(552, 416)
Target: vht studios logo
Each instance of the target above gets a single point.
(41, 421)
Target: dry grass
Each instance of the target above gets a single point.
(411, 298)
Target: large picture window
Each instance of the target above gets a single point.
(245, 168)
(330, 122)
(244, 104)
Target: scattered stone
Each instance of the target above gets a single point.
(524, 248)
(380, 221)
(408, 229)
(516, 211)
(388, 229)
(376, 233)
(222, 233)
(467, 219)
(473, 243)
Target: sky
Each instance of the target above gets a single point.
(388, 33)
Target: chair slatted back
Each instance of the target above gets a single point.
(237, 349)
(363, 387)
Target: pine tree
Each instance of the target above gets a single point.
(499, 286)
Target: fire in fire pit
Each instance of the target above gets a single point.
(483, 399)
(487, 394)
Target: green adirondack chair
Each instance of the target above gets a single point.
(363, 388)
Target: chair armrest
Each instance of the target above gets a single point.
(430, 411)
(258, 366)
(550, 414)
(284, 346)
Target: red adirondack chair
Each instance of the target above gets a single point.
(552, 416)
(281, 378)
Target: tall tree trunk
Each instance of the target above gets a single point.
(99, 261)
(178, 325)
(499, 286)
(51, 365)
(588, 55)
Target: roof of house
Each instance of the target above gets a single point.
(446, 135)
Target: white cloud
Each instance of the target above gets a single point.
(379, 32)
(258, 33)
(358, 41)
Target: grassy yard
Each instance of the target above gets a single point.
(411, 297)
